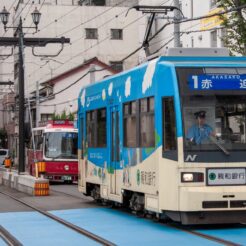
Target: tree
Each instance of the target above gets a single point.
(235, 26)
(63, 116)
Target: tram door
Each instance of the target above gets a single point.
(115, 148)
(82, 160)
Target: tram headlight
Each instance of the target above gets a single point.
(192, 177)
(187, 177)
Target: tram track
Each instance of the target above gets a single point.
(100, 239)
(199, 234)
(9, 239)
(78, 229)
(176, 226)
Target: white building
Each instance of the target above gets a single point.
(101, 31)
(61, 92)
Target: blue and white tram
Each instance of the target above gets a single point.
(134, 147)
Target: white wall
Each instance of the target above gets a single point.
(81, 49)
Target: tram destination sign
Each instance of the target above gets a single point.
(217, 82)
(226, 176)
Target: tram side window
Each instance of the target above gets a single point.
(38, 140)
(101, 128)
(90, 128)
(169, 125)
(96, 128)
(147, 124)
(82, 137)
(130, 137)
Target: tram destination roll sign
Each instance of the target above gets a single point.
(217, 82)
(226, 176)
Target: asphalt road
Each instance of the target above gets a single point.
(61, 197)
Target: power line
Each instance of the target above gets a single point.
(98, 43)
(91, 19)
(59, 18)
(185, 20)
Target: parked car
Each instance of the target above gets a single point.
(3, 154)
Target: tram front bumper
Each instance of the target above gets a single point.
(212, 198)
(212, 205)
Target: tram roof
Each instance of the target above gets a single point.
(183, 61)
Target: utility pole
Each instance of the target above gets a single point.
(21, 98)
(176, 33)
(37, 104)
(153, 11)
(20, 42)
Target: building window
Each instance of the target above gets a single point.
(96, 128)
(116, 34)
(214, 38)
(139, 125)
(116, 65)
(91, 33)
(46, 117)
(169, 125)
(92, 2)
(130, 123)
(147, 124)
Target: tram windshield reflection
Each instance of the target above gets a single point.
(61, 145)
(226, 115)
(219, 96)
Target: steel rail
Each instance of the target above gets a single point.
(200, 234)
(196, 233)
(8, 238)
(63, 222)
(108, 243)
(178, 227)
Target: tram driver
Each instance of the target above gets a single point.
(200, 132)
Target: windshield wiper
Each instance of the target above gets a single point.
(226, 152)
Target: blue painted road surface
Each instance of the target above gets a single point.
(236, 234)
(126, 229)
(34, 229)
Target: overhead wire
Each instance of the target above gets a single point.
(99, 42)
(87, 21)
(197, 18)
(186, 20)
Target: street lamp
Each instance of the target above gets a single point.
(36, 17)
(4, 15)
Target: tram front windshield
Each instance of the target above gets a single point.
(214, 109)
(61, 145)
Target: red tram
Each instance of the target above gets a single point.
(55, 144)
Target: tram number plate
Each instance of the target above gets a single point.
(226, 176)
(66, 178)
